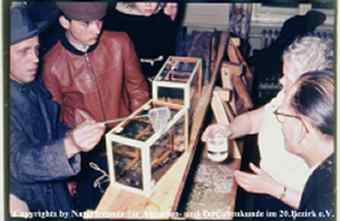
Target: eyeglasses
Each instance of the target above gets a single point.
(278, 114)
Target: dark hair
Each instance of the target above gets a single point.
(313, 98)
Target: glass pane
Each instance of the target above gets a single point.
(128, 165)
(171, 95)
(138, 128)
(167, 150)
(176, 70)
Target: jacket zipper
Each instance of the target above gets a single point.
(95, 80)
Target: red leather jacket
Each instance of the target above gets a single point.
(106, 81)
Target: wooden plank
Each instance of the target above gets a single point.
(224, 115)
(224, 94)
(233, 68)
(236, 41)
(184, 59)
(226, 79)
(164, 201)
(236, 57)
(227, 84)
(218, 109)
(216, 200)
(242, 92)
(170, 105)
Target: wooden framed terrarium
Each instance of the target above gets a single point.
(138, 154)
(179, 81)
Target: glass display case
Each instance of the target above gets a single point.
(179, 81)
(143, 147)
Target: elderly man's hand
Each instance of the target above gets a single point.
(87, 135)
(84, 137)
(259, 182)
(171, 9)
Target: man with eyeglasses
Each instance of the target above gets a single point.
(308, 53)
(280, 118)
(94, 71)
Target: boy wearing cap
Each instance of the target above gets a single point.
(93, 70)
(43, 151)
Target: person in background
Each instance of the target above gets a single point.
(307, 117)
(43, 151)
(303, 55)
(42, 10)
(97, 72)
(267, 62)
(152, 27)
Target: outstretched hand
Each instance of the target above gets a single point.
(83, 137)
(257, 182)
(87, 135)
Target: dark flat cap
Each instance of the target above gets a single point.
(83, 11)
(22, 26)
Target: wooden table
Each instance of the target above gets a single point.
(214, 191)
(118, 203)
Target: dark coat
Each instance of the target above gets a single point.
(319, 194)
(152, 36)
(38, 164)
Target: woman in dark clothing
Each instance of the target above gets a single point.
(152, 31)
(307, 119)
